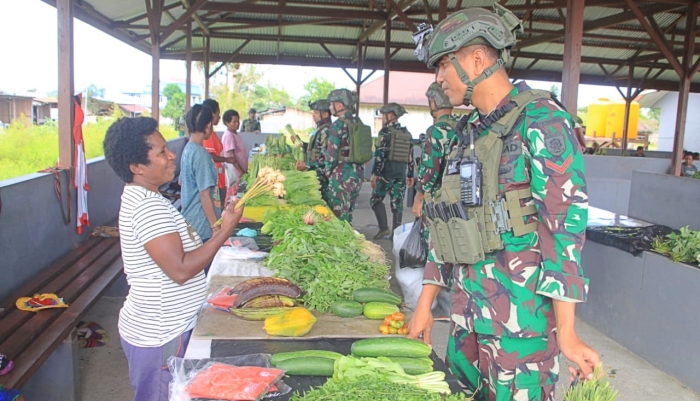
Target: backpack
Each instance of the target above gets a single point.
(359, 141)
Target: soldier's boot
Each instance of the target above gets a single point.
(380, 213)
(398, 218)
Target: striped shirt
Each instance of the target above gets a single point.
(157, 309)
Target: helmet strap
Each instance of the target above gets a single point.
(471, 84)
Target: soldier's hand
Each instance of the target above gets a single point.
(579, 353)
(417, 208)
(410, 182)
(373, 182)
(301, 166)
(421, 324)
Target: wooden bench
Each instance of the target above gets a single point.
(80, 277)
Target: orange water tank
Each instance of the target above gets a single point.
(596, 118)
(616, 120)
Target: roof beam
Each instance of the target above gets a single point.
(182, 20)
(228, 60)
(294, 10)
(593, 25)
(404, 5)
(655, 36)
(198, 20)
(402, 16)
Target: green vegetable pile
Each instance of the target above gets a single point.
(302, 188)
(592, 390)
(683, 246)
(326, 259)
(374, 388)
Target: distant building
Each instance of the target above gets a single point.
(143, 97)
(36, 109)
(667, 102)
(405, 88)
(272, 121)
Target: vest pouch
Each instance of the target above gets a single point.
(466, 240)
(438, 248)
(442, 232)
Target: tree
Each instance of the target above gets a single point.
(117, 112)
(176, 101)
(555, 89)
(91, 94)
(315, 89)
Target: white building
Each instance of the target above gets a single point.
(143, 97)
(667, 102)
(405, 88)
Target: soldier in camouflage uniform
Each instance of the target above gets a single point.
(344, 178)
(514, 311)
(251, 124)
(390, 177)
(318, 141)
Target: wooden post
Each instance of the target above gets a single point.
(684, 89)
(188, 61)
(358, 81)
(64, 11)
(206, 66)
(571, 75)
(387, 58)
(628, 107)
(154, 17)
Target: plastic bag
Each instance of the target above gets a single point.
(414, 252)
(246, 377)
(242, 242)
(221, 300)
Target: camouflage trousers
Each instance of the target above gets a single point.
(396, 188)
(497, 368)
(344, 185)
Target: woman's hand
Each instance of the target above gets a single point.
(231, 216)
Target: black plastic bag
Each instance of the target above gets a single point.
(414, 251)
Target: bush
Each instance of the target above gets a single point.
(27, 149)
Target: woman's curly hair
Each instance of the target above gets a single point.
(125, 144)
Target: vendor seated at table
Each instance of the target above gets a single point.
(163, 256)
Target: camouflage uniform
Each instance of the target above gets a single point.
(344, 179)
(249, 125)
(393, 184)
(320, 137)
(503, 325)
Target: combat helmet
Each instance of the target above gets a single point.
(436, 93)
(395, 108)
(320, 105)
(466, 27)
(344, 96)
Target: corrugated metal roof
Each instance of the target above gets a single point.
(320, 22)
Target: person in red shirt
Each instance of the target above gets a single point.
(215, 148)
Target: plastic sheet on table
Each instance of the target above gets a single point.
(193, 375)
(226, 264)
(634, 240)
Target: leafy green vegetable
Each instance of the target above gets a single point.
(592, 390)
(302, 188)
(372, 388)
(683, 246)
(325, 259)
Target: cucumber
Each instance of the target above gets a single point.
(379, 310)
(283, 356)
(414, 366)
(346, 308)
(390, 347)
(307, 366)
(364, 295)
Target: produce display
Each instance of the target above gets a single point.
(368, 388)
(301, 188)
(263, 297)
(683, 246)
(294, 322)
(394, 324)
(326, 258)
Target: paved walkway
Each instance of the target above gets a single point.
(104, 372)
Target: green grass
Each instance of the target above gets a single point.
(26, 149)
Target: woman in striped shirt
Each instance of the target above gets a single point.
(163, 256)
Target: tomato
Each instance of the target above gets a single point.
(393, 330)
(387, 320)
(403, 331)
(397, 324)
(398, 316)
(384, 329)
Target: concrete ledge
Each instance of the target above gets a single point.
(665, 199)
(649, 305)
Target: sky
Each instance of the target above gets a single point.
(30, 62)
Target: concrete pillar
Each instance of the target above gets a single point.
(571, 74)
(64, 11)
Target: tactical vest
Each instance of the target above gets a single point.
(359, 149)
(463, 234)
(313, 151)
(400, 145)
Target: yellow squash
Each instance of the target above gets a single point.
(295, 322)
